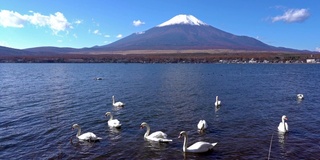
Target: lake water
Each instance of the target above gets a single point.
(39, 103)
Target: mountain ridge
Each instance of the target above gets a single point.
(182, 32)
(183, 36)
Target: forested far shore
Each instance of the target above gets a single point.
(168, 58)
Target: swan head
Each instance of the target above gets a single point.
(182, 133)
(143, 124)
(75, 126)
(108, 114)
(284, 117)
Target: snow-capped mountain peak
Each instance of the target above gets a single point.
(182, 19)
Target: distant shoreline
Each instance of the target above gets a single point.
(168, 56)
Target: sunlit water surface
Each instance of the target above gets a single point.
(40, 102)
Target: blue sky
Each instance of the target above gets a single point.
(79, 23)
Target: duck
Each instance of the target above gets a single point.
(157, 136)
(198, 147)
(89, 136)
(98, 78)
(117, 104)
(202, 125)
(217, 103)
(115, 123)
(283, 126)
(300, 96)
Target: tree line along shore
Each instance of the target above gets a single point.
(204, 57)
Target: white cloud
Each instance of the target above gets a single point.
(119, 36)
(318, 49)
(293, 15)
(59, 41)
(12, 19)
(107, 36)
(97, 32)
(137, 23)
(78, 21)
(56, 22)
(75, 35)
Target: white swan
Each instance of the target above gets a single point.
(157, 136)
(198, 147)
(89, 136)
(202, 125)
(283, 126)
(117, 104)
(300, 96)
(113, 122)
(217, 103)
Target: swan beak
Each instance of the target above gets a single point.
(141, 127)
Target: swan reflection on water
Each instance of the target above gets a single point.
(217, 108)
(282, 137)
(80, 145)
(114, 133)
(155, 146)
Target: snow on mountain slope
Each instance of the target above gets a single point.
(182, 19)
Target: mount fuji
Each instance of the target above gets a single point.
(184, 32)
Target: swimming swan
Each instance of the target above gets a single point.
(300, 96)
(202, 125)
(89, 136)
(198, 147)
(113, 122)
(217, 103)
(283, 126)
(117, 104)
(157, 136)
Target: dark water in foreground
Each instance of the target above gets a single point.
(40, 102)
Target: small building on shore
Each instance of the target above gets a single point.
(311, 61)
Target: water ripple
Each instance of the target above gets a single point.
(40, 103)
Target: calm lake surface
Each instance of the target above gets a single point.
(39, 103)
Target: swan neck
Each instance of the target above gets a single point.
(113, 100)
(185, 142)
(111, 117)
(284, 125)
(147, 132)
(79, 132)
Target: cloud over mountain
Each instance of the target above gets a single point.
(138, 23)
(293, 15)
